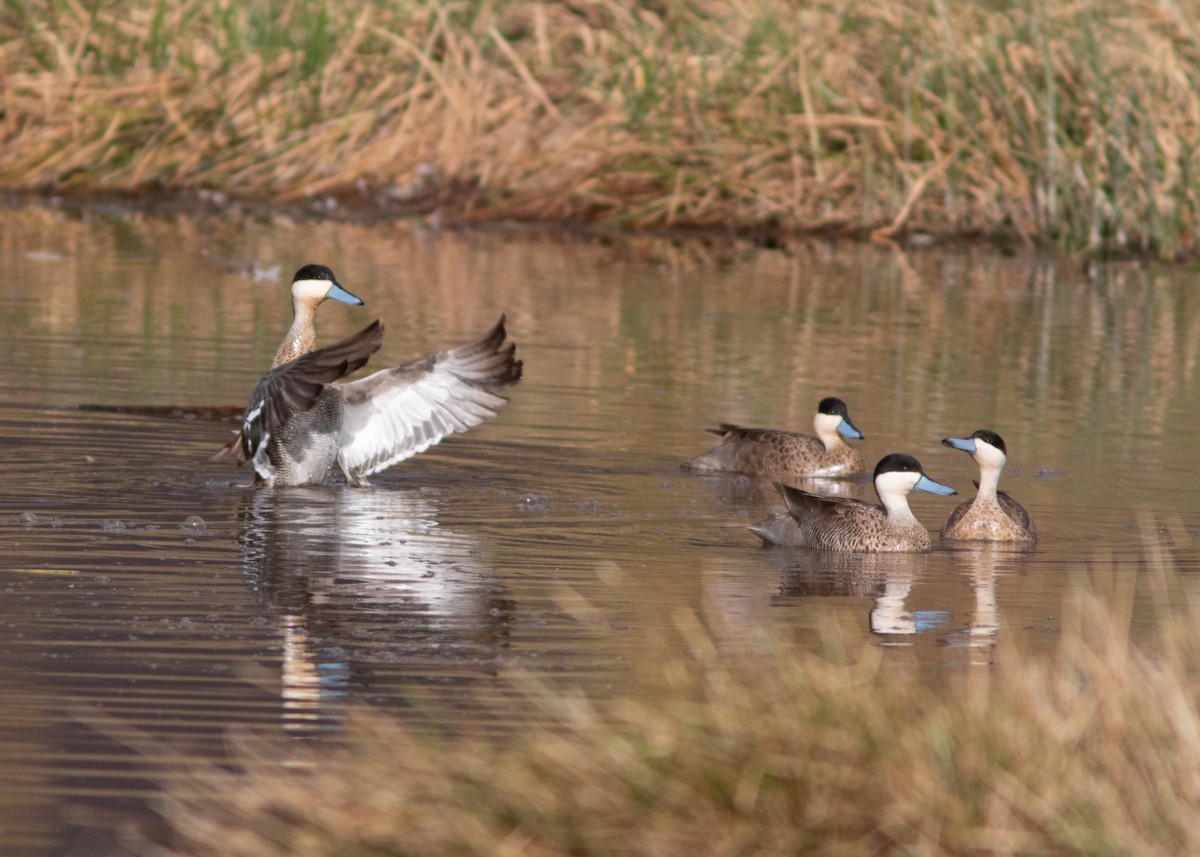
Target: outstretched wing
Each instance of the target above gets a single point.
(294, 386)
(398, 412)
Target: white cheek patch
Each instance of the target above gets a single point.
(310, 290)
(986, 454)
(826, 422)
(826, 427)
(895, 485)
(896, 481)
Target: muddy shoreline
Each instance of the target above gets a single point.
(461, 209)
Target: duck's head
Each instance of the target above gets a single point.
(832, 415)
(986, 447)
(314, 283)
(898, 474)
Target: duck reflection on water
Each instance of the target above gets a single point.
(985, 563)
(964, 627)
(886, 578)
(358, 580)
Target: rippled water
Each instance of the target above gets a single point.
(152, 603)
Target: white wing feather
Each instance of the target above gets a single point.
(399, 412)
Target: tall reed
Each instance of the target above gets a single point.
(1062, 124)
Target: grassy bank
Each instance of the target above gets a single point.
(783, 752)
(1068, 124)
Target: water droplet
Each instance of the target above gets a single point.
(194, 525)
(533, 503)
(32, 519)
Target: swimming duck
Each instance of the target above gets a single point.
(786, 454)
(846, 524)
(299, 422)
(992, 516)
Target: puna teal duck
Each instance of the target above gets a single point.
(784, 454)
(302, 420)
(846, 524)
(992, 515)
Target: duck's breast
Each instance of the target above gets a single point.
(304, 452)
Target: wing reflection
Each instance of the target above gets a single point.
(355, 580)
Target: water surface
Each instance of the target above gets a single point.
(550, 541)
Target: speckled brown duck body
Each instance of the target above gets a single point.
(786, 455)
(992, 515)
(849, 525)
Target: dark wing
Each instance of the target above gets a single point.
(735, 433)
(801, 503)
(959, 511)
(1015, 510)
(294, 386)
(233, 450)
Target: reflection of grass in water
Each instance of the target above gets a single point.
(1059, 122)
(779, 752)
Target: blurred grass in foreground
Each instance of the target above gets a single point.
(1065, 124)
(772, 751)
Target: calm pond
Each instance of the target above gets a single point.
(548, 541)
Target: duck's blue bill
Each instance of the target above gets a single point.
(929, 620)
(927, 484)
(847, 429)
(339, 294)
(966, 444)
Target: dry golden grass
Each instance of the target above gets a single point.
(1064, 123)
(780, 751)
